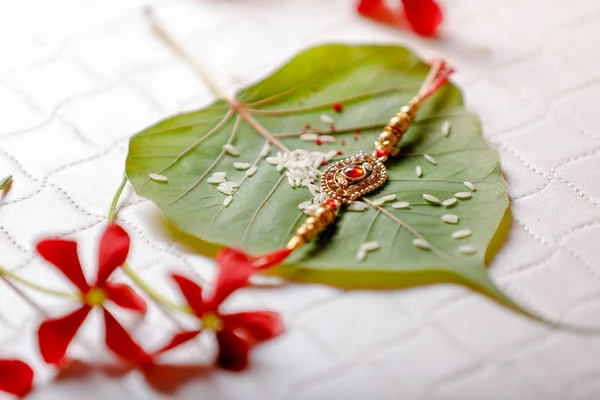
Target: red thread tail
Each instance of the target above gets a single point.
(438, 75)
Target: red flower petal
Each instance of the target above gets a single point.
(114, 247)
(257, 326)
(16, 377)
(124, 296)
(271, 259)
(63, 254)
(233, 350)
(424, 16)
(120, 342)
(192, 293)
(378, 11)
(235, 268)
(177, 340)
(55, 335)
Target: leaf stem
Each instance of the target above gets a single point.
(14, 277)
(161, 31)
(112, 212)
(149, 290)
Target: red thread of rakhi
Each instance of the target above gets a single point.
(422, 16)
(55, 335)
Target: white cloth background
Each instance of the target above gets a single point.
(77, 78)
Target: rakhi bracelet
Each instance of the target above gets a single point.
(347, 180)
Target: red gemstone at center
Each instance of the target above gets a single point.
(354, 171)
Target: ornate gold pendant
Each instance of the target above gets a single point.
(348, 179)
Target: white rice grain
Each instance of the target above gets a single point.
(419, 171)
(430, 198)
(401, 205)
(361, 255)
(450, 218)
(461, 234)
(229, 148)
(467, 249)
(369, 246)
(215, 179)
(327, 138)
(158, 177)
(309, 137)
(449, 202)
(470, 186)
(430, 159)
(446, 128)
(220, 175)
(241, 165)
(251, 171)
(326, 119)
(357, 206)
(265, 150)
(463, 195)
(421, 243)
(304, 204)
(226, 190)
(311, 209)
(227, 200)
(389, 197)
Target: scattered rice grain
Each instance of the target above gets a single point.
(401, 205)
(304, 204)
(251, 171)
(461, 234)
(467, 249)
(369, 246)
(265, 150)
(361, 255)
(357, 206)
(327, 138)
(389, 197)
(450, 218)
(430, 198)
(216, 179)
(229, 148)
(220, 175)
(241, 165)
(449, 202)
(227, 200)
(446, 128)
(326, 119)
(469, 185)
(430, 159)
(419, 171)
(227, 190)
(311, 209)
(309, 137)
(421, 243)
(158, 177)
(463, 195)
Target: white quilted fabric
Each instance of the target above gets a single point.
(77, 78)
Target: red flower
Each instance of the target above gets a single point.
(236, 333)
(423, 16)
(55, 335)
(16, 377)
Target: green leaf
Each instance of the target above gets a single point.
(371, 82)
(5, 182)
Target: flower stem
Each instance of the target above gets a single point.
(151, 292)
(112, 212)
(14, 277)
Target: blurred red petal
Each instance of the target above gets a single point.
(114, 247)
(379, 11)
(235, 269)
(63, 255)
(192, 293)
(424, 16)
(233, 350)
(271, 259)
(124, 296)
(16, 377)
(177, 340)
(257, 326)
(55, 335)
(121, 343)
